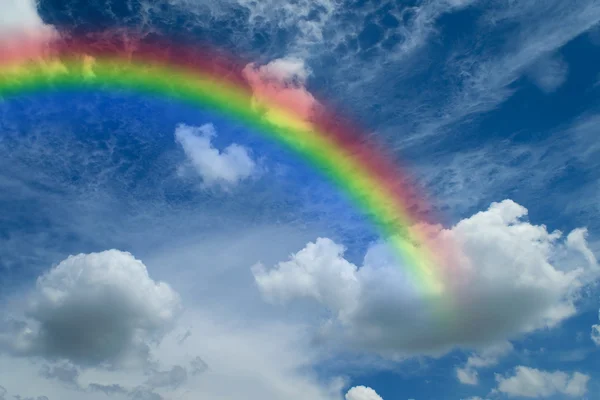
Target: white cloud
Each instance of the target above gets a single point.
(93, 309)
(20, 16)
(224, 168)
(362, 393)
(530, 382)
(312, 272)
(467, 376)
(523, 278)
(305, 20)
(226, 354)
(257, 359)
(596, 332)
(490, 356)
(281, 83)
(23, 32)
(549, 73)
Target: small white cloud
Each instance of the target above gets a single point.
(280, 85)
(596, 332)
(362, 393)
(531, 382)
(549, 73)
(20, 16)
(225, 168)
(93, 309)
(523, 278)
(468, 374)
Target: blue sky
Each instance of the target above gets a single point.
(207, 262)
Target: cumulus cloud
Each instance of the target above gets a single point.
(312, 272)
(217, 168)
(281, 83)
(531, 382)
(362, 393)
(490, 356)
(510, 277)
(93, 309)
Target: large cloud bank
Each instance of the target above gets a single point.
(511, 277)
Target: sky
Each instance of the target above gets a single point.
(150, 250)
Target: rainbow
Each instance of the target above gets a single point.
(209, 79)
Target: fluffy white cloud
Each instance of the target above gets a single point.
(20, 16)
(93, 309)
(531, 382)
(21, 22)
(280, 85)
(213, 351)
(312, 272)
(486, 358)
(362, 393)
(510, 277)
(224, 168)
